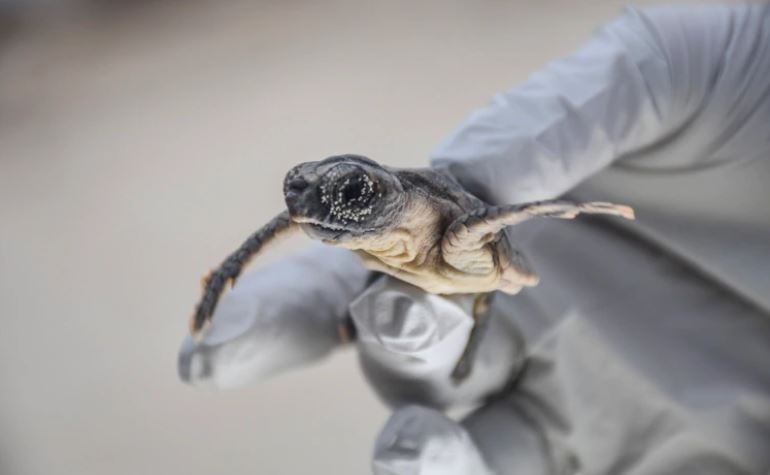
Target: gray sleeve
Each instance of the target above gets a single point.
(639, 81)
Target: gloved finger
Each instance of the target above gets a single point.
(511, 441)
(417, 440)
(410, 341)
(283, 315)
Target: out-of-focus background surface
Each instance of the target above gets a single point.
(140, 141)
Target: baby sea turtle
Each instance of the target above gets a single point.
(418, 225)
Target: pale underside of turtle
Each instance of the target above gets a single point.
(418, 225)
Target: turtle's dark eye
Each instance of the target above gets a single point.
(355, 189)
(351, 197)
(352, 191)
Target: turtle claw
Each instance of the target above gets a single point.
(197, 330)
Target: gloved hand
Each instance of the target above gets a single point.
(632, 362)
(534, 142)
(409, 341)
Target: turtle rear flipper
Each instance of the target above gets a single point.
(480, 314)
(466, 242)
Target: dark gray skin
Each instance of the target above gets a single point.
(344, 197)
(418, 225)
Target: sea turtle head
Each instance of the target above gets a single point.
(343, 197)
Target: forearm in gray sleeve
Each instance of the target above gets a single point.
(638, 81)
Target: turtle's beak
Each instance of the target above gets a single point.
(299, 190)
(295, 190)
(295, 187)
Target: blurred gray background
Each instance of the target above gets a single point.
(141, 141)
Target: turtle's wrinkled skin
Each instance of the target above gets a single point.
(418, 225)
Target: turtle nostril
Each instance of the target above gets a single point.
(297, 184)
(295, 188)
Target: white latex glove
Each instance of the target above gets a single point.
(598, 393)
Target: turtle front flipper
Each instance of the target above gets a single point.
(467, 242)
(215, 283)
